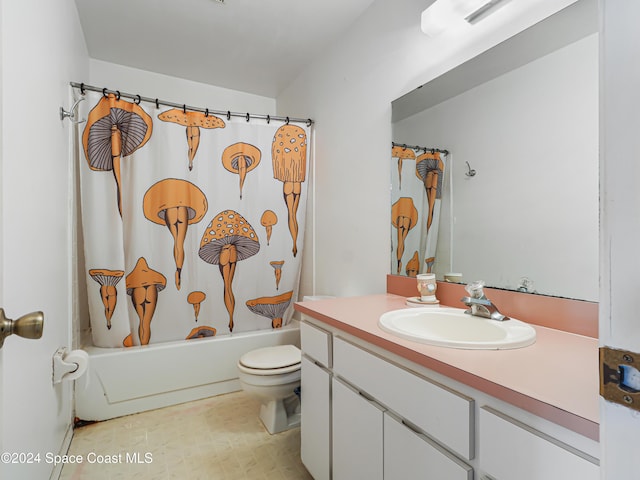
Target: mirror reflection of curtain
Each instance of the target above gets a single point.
(417, 181)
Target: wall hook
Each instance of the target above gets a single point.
(71, 114)
(470, 171)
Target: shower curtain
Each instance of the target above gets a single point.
(192, 223)
(416, 189)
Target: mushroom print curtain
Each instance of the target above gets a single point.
(192, 223)
(417, 180)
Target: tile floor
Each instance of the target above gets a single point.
(218, 438)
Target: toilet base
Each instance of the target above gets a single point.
(280, 415)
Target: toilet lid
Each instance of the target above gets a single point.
(269, 358)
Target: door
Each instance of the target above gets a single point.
(36, 232)
(620, 221)
(2, 472)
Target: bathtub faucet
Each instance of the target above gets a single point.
(479, 305)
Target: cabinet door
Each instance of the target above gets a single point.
(408, 454)
(315, 419)
(357, 435)
(510, 449)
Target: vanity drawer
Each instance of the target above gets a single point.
(443, 414)
(511, 449)
(316, 343)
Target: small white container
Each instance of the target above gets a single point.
(453, 277)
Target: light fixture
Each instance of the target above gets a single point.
(484, 10)
(444, 14)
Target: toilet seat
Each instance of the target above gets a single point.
(277, 360)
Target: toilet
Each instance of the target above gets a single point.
(272, 374)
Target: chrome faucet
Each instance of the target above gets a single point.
(479, 305)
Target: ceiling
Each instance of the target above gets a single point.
(254, 46)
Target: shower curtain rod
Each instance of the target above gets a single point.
(418, 147)
(157, 102)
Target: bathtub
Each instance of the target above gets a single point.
(122, 381)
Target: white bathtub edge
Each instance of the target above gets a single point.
(123, 381)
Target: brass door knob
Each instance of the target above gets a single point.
(27, 326)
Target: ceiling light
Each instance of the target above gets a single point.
(483, 11)
(444, 14)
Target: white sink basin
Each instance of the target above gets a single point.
(451, 327)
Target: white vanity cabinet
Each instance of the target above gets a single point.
(512, 449)
(374, 443)
(315, 405)
(371, 414)
(444, 414)
(373, 399)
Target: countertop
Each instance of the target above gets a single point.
(556, 378)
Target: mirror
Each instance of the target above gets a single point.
(519, 192)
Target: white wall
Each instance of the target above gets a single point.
(173, 89)
(532, 208)
(42, 50)
(348, 92)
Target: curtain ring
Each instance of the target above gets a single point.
(206, 112)
(184, 108)
(309, 122)
(104, 92)
(137, 100)
(228, 115)
(433, 151)
(157, 103)
(287, 120)
(118, 95)
(248, 117)
(82, 92)
(268, 119)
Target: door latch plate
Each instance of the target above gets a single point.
(620, 377)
